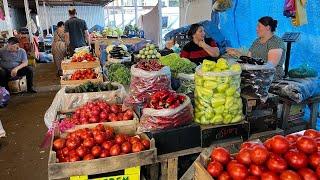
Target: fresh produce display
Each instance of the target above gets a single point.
(119, 73)
(131, 30)
(118, 52)
(165, 109)
(177, 64)
(95, 34)
(84, 74)
(217, 96)
(146, 79)
(293, 157)
(149, 52)
(187, 84)
(256, 79)
(99, 142)
(109, 31)
(99, 111)
(91, 87)
(82, 55)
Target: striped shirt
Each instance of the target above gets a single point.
(197, 54)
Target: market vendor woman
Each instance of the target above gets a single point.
(199, 48)
(267, 46)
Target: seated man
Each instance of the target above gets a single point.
(14, 62)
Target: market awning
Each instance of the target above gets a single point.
(20, 3)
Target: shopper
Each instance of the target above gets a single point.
(14, 62)
(267, 46)
(59, 48)
(199, 48)
(76, 32)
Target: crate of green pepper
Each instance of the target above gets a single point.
(217, 93)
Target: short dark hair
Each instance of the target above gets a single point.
(13, 40)
(72, 11)
(60, 23)
(269, 21)
(193, 29)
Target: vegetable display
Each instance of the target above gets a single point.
(119, 73)
(147, 77)
(118, 52)
(294, 156)
(217, 96)
(177, 64)
(84, 74)
(82, 56)
(165, 109)
(149, 52)
(99, 111)
(91, 87)
(99, 142)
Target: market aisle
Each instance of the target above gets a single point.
(20, 155)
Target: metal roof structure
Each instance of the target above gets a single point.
(32, 4)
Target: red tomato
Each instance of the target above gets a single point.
(307, 174)
(65, 151)
(306, 145)
(253, 178)
(269, 176)
(146, 143)
(314, 159)
(279, 144)
(115, 150)
(256, 170)
(268, 143)
(134, 140)
(104, 153)
(221, 155)
(74, 158)
(58, 144)
(311, 133)
(296, 159)
(88, 157)
(81, 151)
(88, 142)
(137, 147)
(113, 117)
(243, 156)
(96, 151)
(259, 155)
(107, 145)
(99, 138)
(114, 108)
(119, 139)
(291, 138)
(128, 115)
(276, 163)
(224, 176)
(289, 175)
(109, 133)
(238, 171)
(100, 127)
(103, 116)
(215, 168)
(72, 144)
(126, 147)
(318, 171)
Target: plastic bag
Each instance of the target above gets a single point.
(296, 89)
(69, 101)
(153, 119)
(4, 97)
(217, 97)
(187, 85)
(257, 79)
(144, 83)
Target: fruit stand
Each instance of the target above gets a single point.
(155, 126)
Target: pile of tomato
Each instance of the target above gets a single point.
(293, 157)
(84, 74)
(99, 142)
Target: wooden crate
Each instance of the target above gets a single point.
(78, 82)
(103, 165)
(200, 171)
(68, 65)
(253, 106)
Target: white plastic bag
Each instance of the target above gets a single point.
(69, 101)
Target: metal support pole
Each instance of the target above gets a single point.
(122, 14)
(38, 15)
(46, 16)
(160, 22)
(136, 12)
(27, 10)
(287, 62)
(114, 15)
(7, 17)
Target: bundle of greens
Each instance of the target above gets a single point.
(119, 73)
(91, 87)
(177, 64)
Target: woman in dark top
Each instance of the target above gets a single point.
(199, 48)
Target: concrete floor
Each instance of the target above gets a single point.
(20, 154)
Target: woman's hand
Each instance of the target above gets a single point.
(202, 44)
(233, 52)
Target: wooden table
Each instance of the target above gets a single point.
(313, 104)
